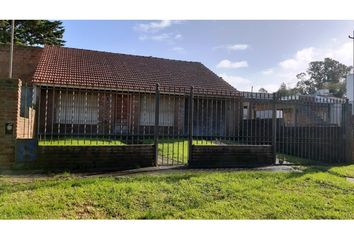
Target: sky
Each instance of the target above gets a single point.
(248, 54)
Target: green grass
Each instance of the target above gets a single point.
(316, 193)
(177, 150)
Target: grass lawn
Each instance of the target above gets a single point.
(176, 150)
(315, 193)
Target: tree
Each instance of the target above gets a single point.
(262, 90)
(329, 74)
(33, 32)
(285, 91)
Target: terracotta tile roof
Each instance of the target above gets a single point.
(77, 67)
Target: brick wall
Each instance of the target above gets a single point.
(85, 158)
(230, 156)
(9, 111)
(25, 61)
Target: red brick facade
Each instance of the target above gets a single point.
(25, 61)
(9, 111)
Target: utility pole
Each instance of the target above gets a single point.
(12, 48)
(352, 37)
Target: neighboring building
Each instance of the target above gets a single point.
(297, 110)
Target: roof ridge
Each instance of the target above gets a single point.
(125, 54)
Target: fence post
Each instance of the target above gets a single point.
(274, 126)
(348, 131)
(190, 125)
(156, 128)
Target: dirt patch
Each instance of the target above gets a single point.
(349, 179)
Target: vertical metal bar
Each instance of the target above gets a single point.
(274, 131)
(174, 122)
(132, 116)
(156, 128)
(39, 93)
(110, 117)
(85, 114)
(23, 105)
(92, 108)
(169, 142)
(178, 127)
(30, 115)
(98, 117)
(59, 114)
(46, 115)
(121, 115)
(66, 109)
(348, 132)
(190, 125)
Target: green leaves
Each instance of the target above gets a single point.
(327, 74)
(33, 32)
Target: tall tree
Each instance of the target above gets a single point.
(33, 32)
(328, 74)
(286, 91)
(262, 90)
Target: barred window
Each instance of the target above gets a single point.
(147, 112)
(76, 108)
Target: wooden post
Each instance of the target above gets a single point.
(348, 131)
(190, 125)
(156, 128)
(274, 126)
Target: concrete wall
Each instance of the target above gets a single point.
(10, 90)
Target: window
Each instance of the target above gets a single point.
(76, 108)
(147, 112)
(268, 114)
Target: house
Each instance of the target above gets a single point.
(84, 92)
(296, 110)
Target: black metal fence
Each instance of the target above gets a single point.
(310, 127)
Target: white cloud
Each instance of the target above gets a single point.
(238, 82)
(179, 50)
(228, 64)
(155, 26)
(301, 59)
(244, 84)
(268, 71)
(178, 36)
(167, 37)
(232, 47)
(236, 47)
(286, 70)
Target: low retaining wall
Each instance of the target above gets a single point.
(85, 158)
(229, 156)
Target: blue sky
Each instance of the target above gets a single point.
(245, 53)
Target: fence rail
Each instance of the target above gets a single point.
(174, 119)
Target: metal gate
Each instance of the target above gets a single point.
(310, 127)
